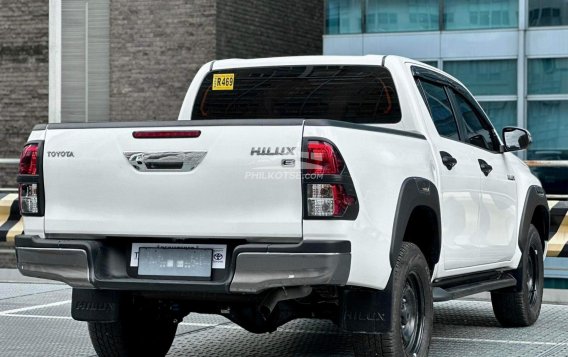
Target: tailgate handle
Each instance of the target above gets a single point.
(179, 161)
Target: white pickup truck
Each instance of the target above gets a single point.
(354, 189)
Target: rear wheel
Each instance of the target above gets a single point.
(132, 336)
(412, 313)
(521, 307)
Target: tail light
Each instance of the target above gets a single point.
(328, 189)
(29, 181)
(28, 160)
(322, 159)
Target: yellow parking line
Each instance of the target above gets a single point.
(16, 230)
(560, 239)
(5, 206)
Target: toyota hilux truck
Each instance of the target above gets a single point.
(358, 190)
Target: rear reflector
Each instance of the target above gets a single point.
(166, 134)
(28, 160)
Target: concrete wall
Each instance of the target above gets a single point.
(23, 76)
(155, 49)
(265, 28)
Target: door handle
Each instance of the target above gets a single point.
(448, 160)
(485, 167)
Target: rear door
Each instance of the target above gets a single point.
(229, 181)
(459, 178)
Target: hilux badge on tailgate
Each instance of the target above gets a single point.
(272, 151)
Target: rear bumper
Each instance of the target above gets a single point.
(253, 267)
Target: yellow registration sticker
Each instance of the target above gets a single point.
(223, 81)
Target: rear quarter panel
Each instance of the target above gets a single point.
(378, 164)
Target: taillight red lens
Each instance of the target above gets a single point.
(166, 134)
(322, 159)
(341, 200)
(28, 160)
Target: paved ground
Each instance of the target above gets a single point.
(35, 321)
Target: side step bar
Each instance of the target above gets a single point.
(455, 289)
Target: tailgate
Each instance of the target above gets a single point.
(231, 181)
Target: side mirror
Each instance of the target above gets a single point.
(516, 139)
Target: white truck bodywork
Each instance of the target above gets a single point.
(97, 193)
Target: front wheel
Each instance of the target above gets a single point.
(521, 307)
(132, 337)
(412, 314)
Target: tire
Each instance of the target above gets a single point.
(132, 337)
(521, 308)
(412, 313)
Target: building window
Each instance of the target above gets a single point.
(488, 77)
(548, 76)
(548, 13)
(548, 124)
(342, 16)
(501, 113)
(399, 16)
(547, 107)
(480, 14)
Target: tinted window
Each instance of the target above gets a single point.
(548, 75)
(440, 110)
(357, 94)
(548, 12)
(477, 131)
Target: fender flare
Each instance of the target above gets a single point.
(414, 192)
(535, 197)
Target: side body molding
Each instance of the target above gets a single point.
(415, 192)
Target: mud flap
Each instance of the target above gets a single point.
(366, 311)
(96, 305)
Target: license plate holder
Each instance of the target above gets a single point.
(175, 262)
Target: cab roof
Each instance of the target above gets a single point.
(300, 61)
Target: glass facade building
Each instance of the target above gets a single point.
(512, 54)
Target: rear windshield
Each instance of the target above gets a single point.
(357, 94)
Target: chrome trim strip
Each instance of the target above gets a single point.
(182, 161)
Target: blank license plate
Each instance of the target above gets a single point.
(175, 262)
